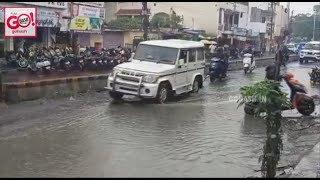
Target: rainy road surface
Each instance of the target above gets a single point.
(203, 135)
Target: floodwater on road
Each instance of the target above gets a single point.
(202, 135)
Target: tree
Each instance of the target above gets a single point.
(164, 20)
(160, 20)
(175, 20)
(267, 97)
(125, 23)
(303, 26)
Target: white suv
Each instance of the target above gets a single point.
(160, 69)
(311, 51)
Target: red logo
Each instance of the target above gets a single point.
(20, 22)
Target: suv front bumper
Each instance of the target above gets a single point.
(140, 89)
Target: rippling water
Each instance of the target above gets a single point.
(203, 135)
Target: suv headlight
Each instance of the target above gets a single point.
(150, 78)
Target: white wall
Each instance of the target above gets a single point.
(243, 22)
(281, 20)
(256, 26)
(199, 15)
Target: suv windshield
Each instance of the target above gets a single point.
(312, 46)
(157, 54)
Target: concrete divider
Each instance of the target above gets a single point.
(68, 86)
(260, 62)
(22, 91)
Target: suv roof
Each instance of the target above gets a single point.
(313, 42)
(174, 43)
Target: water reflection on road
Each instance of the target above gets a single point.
(202, 135)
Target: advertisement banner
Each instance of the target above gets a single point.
(86, 24)
(80, 23)
(89, 11)
(20, 22)
(48, 18)
(96, 24)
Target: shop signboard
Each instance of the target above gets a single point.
(81, 23)
(239, 31)
(48, 18)
(89, 11)
(62, 5)
(94, 4)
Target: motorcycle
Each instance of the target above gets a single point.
(314, 75)
(298, 97)
(18, 59)
(218, 69)
(248, 63)
(40, 60)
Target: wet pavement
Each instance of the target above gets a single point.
(201, 135)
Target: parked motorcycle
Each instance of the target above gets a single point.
(298, 97)
(40, 61)
(249, 63)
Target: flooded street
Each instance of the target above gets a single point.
(202, 135)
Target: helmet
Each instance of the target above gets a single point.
(289, 75)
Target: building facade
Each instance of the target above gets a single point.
(87, 20)
(232, 19)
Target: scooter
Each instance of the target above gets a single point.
(298, 97)
(247, 64)
(217, 69)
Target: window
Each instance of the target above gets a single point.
(241, 14)
(263, 19)
(192, 55)
(220, 16)
(236, 19)
(183, 55)
(158, 54)
(200, 54)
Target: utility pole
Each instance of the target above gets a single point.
(272, 11)
(233, 18)
(145, 20)
(314, 24)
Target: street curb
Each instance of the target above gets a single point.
(46, 82)
(31, 90)
(309, 165)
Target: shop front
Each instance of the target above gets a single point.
(86, 24)
(48, 22)
(240, 35)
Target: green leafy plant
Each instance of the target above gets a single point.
(126, 23)
(271, 105)
(160, 20)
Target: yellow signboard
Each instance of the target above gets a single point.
(80, 23)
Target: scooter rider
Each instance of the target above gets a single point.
(249, 50)
(220, 53)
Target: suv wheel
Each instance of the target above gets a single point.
(164, 93)
(196, 85)
(301, 60)
(115, 95)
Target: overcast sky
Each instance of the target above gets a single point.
(301, 7)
